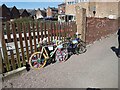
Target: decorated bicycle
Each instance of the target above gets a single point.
(48, 54)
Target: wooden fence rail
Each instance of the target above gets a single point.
(19, 40)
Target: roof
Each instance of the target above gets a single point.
(29, 10)
(21, 11)
(12, 8)
(4, 6)
(53, 8)
(43, 12)
(33, 12)
(62, 4)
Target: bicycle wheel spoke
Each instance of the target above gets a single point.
(37, 60)
(61, 55)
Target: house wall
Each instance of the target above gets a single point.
(38, 14)
(61, 8)
(70, 9)
(103, 9)
(49, 12)
(25, 14)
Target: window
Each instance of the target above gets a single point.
(60, 7)
(76, 1)
(79, 0)
(72, 2)
(68, 2)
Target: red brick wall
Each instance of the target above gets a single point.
(100, 27)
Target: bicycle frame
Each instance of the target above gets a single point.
(45, 53)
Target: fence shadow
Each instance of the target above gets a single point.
(114, 49)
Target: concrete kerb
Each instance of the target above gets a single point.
(12, 73)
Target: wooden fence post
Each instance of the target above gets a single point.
(8, 32)
(5, 54)
(57, 30)
(13, 64)
(38, 34)
(41, 30)
(1, 62)
(45, 34)
(51, 24)
(16, 44)
(26, 41)
(34, 36)
(21, 43)
(0, 48)
(30, 37)
(48, 30)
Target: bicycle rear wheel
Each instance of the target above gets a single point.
(61, 55)
(81, 48)
(65, 54)
(37, 60)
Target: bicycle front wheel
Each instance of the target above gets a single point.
(37, 60)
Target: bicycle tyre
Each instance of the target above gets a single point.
(61, 55)
(37, 63)
(81, 49)
(58, 56)
(65, 54)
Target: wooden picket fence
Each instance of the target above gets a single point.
(19, 40)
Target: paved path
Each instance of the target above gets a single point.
(98, 67)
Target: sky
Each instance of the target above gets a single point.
(31, 4)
